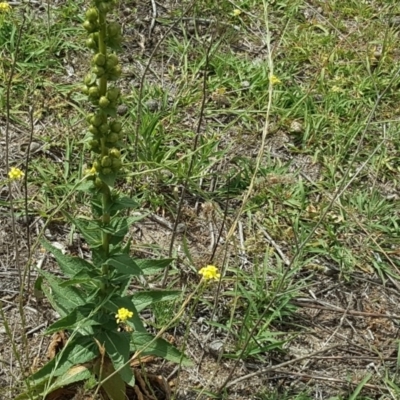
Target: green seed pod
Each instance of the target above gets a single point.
(92, 44)
(99, 59)
(115, 153)
(89, 118)
(116, 126)
(116, 164)
(98, 119)
(90, 27)
(93, 130)
(112, 138)
(96, 165)
(112, 60)
(98, 71)
(113, 30)
(106, 171)
(104, 102)
(85, 89)
(92, 15)
(103, 129)
(94, 144)
(114, 73)
(90, 79)
(98, 183)
(104, 8)
(106, 161)
(113, 94)
(94, 92)
(121, 135)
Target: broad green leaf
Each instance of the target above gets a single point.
(108, 179)
(159, 348)
(117, 348)
(115, 386)
(150, 267)
(84, 186)
(124, 264)
(75, 374)
(123, 203)
(89, 230)
(146, 298)
(63, 299)
(78, 318)
(68, 264)
(78, 350)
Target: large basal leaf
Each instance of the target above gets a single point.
(63, 299)
(124, 264)
(157, 347)
(75, 374)
(78, 350)
(146, 298)
(114, 386)
(117, 348)
(68, 264)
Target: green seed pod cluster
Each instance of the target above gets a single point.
(105, 134)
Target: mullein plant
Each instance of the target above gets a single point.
(99, 314)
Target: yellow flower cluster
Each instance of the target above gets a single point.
(274, 80)
(123, 314)
(210, 272)
(15, 174)
(4, 7)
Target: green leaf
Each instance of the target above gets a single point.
(78, 350)
(68, 264)
(85, 186)
(159, 348)
(89, 230)
(150, 267)
(108, 179)
(78, 318)
(75, 374)
(63, 299)
(117, 348)
(122, 203)
(124, 264)
(144, 299)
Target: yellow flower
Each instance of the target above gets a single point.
(274, 80)
(236, 12)
(123, 314)
(210, 272)
(4, 7)
(91, 171)
(15, 174)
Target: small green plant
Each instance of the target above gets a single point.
(101, 317)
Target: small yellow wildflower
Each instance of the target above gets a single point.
(210, 272)
(274, 80)
(236, 12)
(91, 171)
(123, 314)
(336, 89)
(4, 7)
(15, 174)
